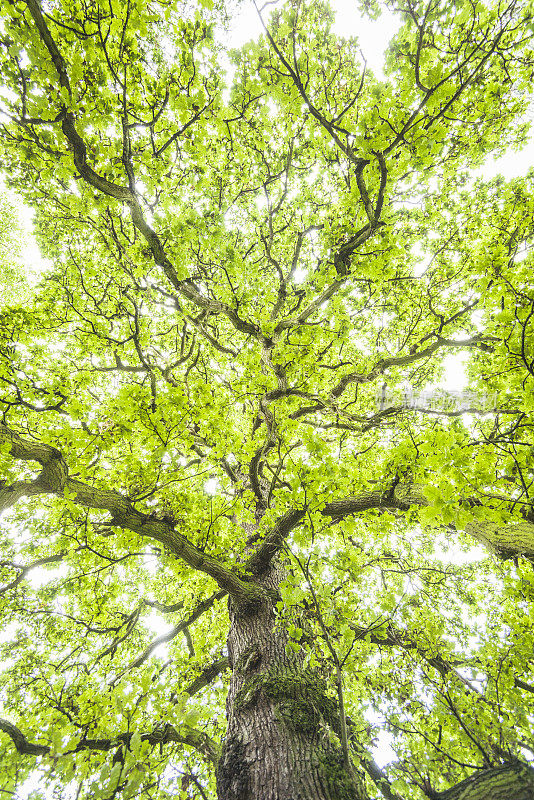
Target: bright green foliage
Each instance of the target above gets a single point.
(242, 258)
(13, 284)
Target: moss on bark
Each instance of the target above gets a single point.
(300, 697)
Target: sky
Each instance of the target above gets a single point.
(373, 36)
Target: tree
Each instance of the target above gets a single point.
(205, 414)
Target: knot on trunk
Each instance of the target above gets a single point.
(54, 474)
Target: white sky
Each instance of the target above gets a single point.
(373, 36)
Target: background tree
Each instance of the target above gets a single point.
(190, 429)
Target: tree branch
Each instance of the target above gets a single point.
(21, 743)
(54, 479)
(504, 540)
(207, 675)
(162, 734)
(124, 194)
(513, 781)
(170, 635)
(25, 569)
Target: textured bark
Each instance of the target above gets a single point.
(507, 782)
(280, 743)
(505, 540)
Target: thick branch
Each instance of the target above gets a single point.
(54, 479)
(336, 510)
(124, 194)
(68, 127)
(21, 743)
(505, 540)
(507, 782)
(405, 360)
(273, 541)
(377, 775)
(207, 675)
(23, 570)
(162, 734)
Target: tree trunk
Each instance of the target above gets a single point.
(280, 744)
(507, 782)
(283, 742)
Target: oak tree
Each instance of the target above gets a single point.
(220, 407)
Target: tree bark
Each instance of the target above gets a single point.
(280, 743)
(506, 782)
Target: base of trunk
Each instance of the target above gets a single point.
(292, 771)
(281, 742)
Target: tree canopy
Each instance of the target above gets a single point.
(220, 407)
